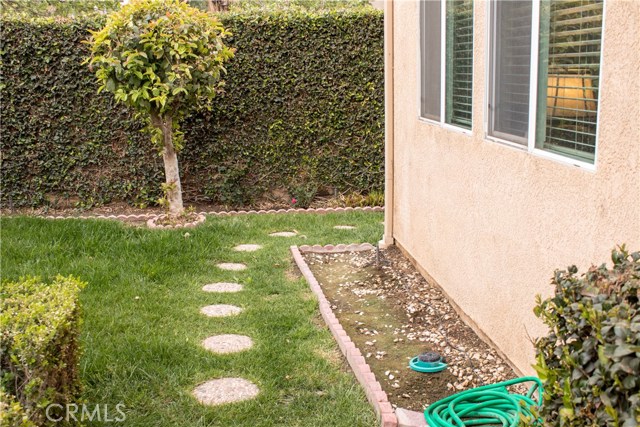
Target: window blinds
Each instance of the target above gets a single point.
(511, 45)
(459, 62)
(569, 76)
(430, 24)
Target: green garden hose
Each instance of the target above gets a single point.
(487, 405)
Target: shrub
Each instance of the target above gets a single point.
(373, 198)
(590, 361)
(303, 100)
(38, 348)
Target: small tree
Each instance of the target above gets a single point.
(164, 59)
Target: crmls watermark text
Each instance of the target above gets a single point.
(86, 412)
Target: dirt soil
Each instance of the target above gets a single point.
(393, 314)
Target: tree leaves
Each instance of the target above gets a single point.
(159, 42)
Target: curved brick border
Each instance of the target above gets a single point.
(153, 222)
(223, 213)
(373, 390)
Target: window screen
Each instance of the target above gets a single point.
(569, 76)
(430, 58)
(459, 62)
(511, 62)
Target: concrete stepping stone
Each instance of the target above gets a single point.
(220, 310)
(225, 390)
(247, 248)
(231, 266)
(344, 227)
(283, 234)
(223, 344)
(222, 287)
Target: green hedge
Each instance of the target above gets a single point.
(38, 349)
(303, 108)
(590, 361)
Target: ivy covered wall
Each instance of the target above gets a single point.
(302, 109)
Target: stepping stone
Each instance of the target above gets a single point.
(223, 344)
(231, 266)
(225, 390)
(220, 310)
(344, 227)
(283, 234)
(222, 287)
(247, 248)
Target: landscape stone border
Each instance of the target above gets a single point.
(224, 213)
(372, 388)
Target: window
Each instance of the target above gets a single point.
(430, 19)
(569, 77)
(544, 89)
(446, 24)
(511, 62)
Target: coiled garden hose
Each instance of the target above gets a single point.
(487, 405)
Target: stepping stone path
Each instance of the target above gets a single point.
(222, 287)
(220, 310)
(344, 227)
(283, 234)
(231, 266)
(225, 390)
(247, 248)
(223, 344)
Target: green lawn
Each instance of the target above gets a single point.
(142, 327)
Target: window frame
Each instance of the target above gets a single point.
(490, 94)
(443, 70)
(530, 145)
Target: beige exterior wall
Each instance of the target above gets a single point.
(490, 223)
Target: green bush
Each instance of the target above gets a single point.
(303, 101)
(38, 348)
(590, 361)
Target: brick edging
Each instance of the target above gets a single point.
(224, 213)
(373, 390)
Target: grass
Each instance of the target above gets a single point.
(142, 327)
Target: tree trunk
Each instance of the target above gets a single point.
(173, 191)
(218, 5)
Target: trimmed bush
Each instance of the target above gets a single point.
(38, 349)
(590, 361)
(302, 108)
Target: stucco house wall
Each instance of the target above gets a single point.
(490, 223)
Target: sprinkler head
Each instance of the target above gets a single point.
(430, 357)
(428, 362)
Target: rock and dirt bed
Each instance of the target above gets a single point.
(393, 314)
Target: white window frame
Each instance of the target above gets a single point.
(533, 91)
(443, 71)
